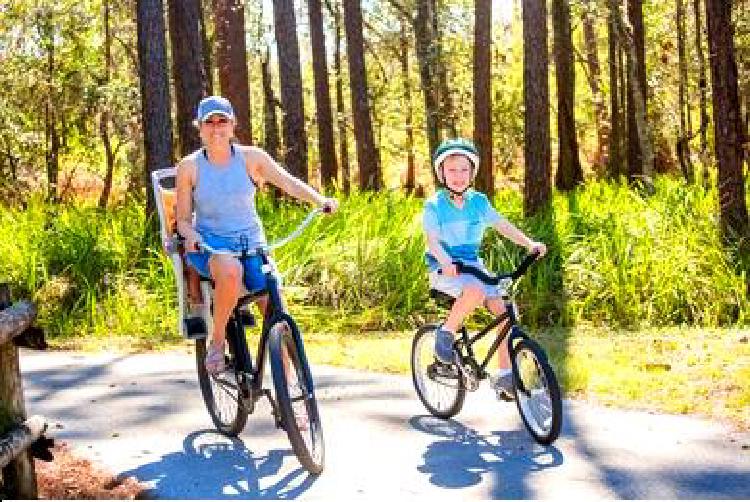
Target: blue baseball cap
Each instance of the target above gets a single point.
(214, 105)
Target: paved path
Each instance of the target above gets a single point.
(142, 415)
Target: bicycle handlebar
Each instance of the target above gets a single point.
(494, 280)
(202, 246)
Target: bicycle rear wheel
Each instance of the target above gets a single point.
(440, 387)
(295, 396)
(222, 393)
(537, 391)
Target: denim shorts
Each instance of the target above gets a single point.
(454, 286)
(252, 274)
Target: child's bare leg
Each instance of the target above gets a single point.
(471, 298)
(496, 306)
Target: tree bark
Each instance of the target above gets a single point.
(727, 127)
(51, 135)
(207, 53)
(290, 77)
(614, 160)
(155, 109)
(683, 140)
(640, 166)
(569, 172)
(537, 183)
(187, 69)
(447, 117)
(426, 54)
(335, 12)
(483, 94)
(602, 121)
(104, 119)
(367, 156)
(270, 102)
(703, 89)
(411, 175)
(326, 145)
(231, 57)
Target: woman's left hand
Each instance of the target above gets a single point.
(329, 205)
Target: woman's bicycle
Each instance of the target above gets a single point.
(230, 396)
(442, 387)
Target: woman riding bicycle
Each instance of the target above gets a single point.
(219, 182)
(454, 221)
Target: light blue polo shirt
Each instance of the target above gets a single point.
(459, 230)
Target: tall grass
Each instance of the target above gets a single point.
(616, 259)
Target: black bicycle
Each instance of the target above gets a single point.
(230, 396)
(442, 387)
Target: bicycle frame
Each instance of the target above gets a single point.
(467, 342)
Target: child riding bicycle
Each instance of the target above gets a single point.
(454, 221)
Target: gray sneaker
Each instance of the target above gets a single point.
(502, 384)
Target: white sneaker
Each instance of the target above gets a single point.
(502, 383)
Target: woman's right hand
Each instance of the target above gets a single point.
(191, 242)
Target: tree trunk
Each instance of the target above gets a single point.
(367, 156)
(537, 183)
(290, 77)
(447, 115)
(187, 68)
(683, 139)
(104, 119)
(231, 57)
(614, 161)
(602, 121)
(426, 54)
(640, 166)
(271, 127)
(569, 172)
(152, 61)
(727, 126)
(483, 94)
(207, 56)
(411, 175)
(340, 107)
(703, 89)
(326, 145)
(52, 138)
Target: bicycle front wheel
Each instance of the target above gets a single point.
(222, 392)
(537, 391)
(295, 396)
(439, 386)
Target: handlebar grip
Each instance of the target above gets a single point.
(525, 264)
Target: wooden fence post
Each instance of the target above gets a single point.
(19, 477)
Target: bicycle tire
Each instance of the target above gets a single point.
(536, 390)
(428, 380)
(295, 396)
(222, 393)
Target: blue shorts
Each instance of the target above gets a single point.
(253, 277)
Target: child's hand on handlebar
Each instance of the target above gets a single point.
(537, 248)
(330, 205)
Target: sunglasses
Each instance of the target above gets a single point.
(217, 121)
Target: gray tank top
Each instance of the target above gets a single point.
(224, 200)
